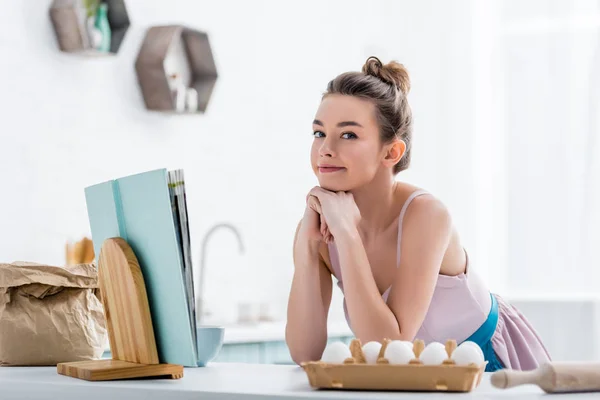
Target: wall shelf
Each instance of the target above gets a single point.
(89, 27)
(176, 69)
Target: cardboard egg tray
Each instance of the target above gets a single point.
(356, 374)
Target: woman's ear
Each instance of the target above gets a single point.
(394, 152)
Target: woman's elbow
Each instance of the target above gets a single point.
(299, 357)
(305, 349)
(303, 352)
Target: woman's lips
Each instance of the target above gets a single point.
(326, 170)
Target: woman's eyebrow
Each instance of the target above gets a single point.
(340, 124)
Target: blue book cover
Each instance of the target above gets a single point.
(138, 209)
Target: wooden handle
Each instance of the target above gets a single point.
(553, 377)
(508, 378)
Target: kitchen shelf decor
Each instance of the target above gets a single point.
(89, 27)
(176, 69)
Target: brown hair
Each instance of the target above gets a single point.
(387, 87)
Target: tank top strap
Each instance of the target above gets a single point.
(413, 195)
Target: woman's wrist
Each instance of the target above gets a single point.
(346, 234)
(308, 249)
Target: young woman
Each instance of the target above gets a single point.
(391, 246)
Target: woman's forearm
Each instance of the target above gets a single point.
(308, 306)
(371, 318)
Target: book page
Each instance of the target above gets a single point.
(179, 207)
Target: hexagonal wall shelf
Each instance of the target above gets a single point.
(176, 69)
(89, 27)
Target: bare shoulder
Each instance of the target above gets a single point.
(428, 206)
(428, 220)
(425, 210)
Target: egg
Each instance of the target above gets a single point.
(406, 342)
(399, 352)
(467, 353)
(336, 353)
(475, 345)
(433, 354)
(371, 351)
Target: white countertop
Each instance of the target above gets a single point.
(221, 381)
(274, 331)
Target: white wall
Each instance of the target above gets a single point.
(568, 325)
(68, 122)
(551, 62)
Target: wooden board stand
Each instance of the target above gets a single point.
(129, 322)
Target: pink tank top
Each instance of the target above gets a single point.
(459, 306)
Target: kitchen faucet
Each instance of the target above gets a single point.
(199, 298)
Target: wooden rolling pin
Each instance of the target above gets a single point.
(554, 377)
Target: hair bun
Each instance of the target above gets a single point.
(392, 73)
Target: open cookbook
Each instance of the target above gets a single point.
(149, 211)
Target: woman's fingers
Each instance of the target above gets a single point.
(327, 235)
(319, 192)
(325, 230)
(314, 204)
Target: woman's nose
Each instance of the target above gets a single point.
(326, 149)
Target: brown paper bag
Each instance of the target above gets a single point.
(50, 314)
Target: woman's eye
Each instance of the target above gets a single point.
(349, 135)
(318, 134)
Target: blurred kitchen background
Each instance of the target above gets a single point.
(506, 103)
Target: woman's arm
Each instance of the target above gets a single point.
(308, 304)
(427, 229)
(372, 319)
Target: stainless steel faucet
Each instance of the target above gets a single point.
(200, 286)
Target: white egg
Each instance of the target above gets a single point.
(406, 342)
(399, 352)
(475, 345)
(336, 353)
(433, 354)
(466, 354)
(371, 351)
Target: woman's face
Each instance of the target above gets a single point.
(346, 152)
